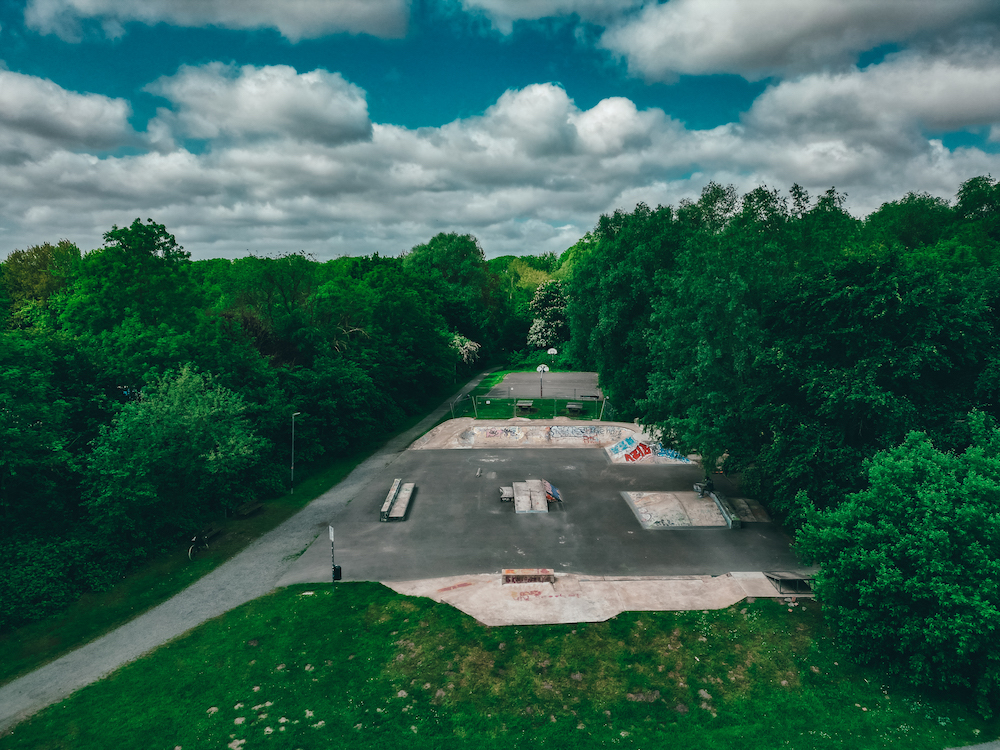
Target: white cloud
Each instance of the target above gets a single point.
(885, 106)
(37, 116)
(776, 37)
(530, 174)
(221, 101)
(295, 19)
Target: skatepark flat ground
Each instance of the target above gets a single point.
(456, 524)
(553, 385)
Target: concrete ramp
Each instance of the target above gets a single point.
(582, 598)
(561, 432)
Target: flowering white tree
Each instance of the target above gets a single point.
(467, 349)
(549, 306)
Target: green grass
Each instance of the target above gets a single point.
(363, 667)
(94, 614)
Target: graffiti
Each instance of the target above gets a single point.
(524, 596)
(589, 439)
(560, 431)
(670, 453)
(456, 586)
(641, 451)
(624, 446)
(499, 432)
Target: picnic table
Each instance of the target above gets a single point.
(525, 404)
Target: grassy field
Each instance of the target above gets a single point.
(363, 667)
(95, 614)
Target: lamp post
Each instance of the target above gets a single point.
(541, 370)
(294, 415)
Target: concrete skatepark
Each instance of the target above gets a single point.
(458, 535)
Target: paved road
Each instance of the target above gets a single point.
(249, 575)
(457, 525)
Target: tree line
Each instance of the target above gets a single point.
(848, 370)
(143, 394)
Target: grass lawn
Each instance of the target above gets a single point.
(363, 667)
(94, 614)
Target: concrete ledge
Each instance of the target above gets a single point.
(578, 598)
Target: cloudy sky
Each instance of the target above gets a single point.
(354, 126)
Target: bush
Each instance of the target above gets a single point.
(39, 577)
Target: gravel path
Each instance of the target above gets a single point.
(251, 574)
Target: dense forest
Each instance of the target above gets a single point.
(143, 394)
(847, 370)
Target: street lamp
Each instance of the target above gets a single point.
(541, 370)
(294, 415)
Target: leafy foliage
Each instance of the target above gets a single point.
(168, 458)
(910, 571)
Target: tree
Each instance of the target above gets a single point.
(909, 571)
(549, 326)
(169, 459)
(140, 272)
(40, 271)
(916, 220)
(455, 267)
(611, 295)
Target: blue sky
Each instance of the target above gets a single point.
(354, 126)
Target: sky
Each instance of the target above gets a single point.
(347, 127)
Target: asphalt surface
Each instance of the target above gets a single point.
(251, 574)
(552, 385)
(457, 525)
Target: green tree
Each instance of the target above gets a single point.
(454, 265)
(40, 271)
(909, 571)
(611, 298)
(140, 272)
(36, 478)
(170, 459)
(916, 220)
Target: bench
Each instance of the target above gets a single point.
(524, 404)
(528, 575)
(247, 509)
(398, 512)
(389, 500)
(574, 407)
